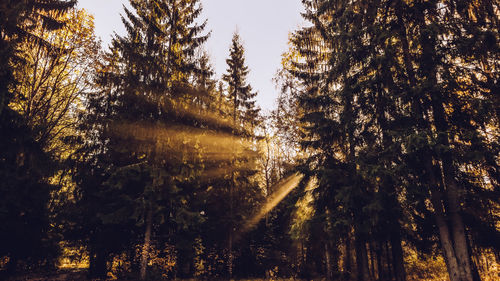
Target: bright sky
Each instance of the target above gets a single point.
(263, 25)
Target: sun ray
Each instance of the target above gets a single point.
(220, 146)
(283, 189)
(225, 170)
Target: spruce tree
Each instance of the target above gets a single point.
(385, 94)
(244, 114)
(240, 93)
(145, 80)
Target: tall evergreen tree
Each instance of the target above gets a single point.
(144, 81)
(385, 79)
(245, 112)
(388, 109)
(245, 117)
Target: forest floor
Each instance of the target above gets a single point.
(81, 275)
(66, 275)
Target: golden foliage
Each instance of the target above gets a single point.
(3, 262)
(73, 257)
(421, 267)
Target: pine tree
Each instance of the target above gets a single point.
(245, 112)
(331, 122)
(450, 126)
(385, 89)
(145, 80)
(245, 117)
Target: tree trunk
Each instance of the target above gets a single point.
(388, 257)
(231, 227)
(363, 272)
(372, 261)
(475, 272)
(458, 240)
(456, 222)
(230, 256)
(328, 263)
(397, 253)
(445, 238)
(440, 217)
(98, 264)
(380, 267)
(147, 243)
(456, 273)
(231, 199)
(347, 257)
(474, 260)
(458, 233)
(335, 255)
(303, 257)
(450, 184)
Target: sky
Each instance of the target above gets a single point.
(263, 25)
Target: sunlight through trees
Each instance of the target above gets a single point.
(379, 162)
